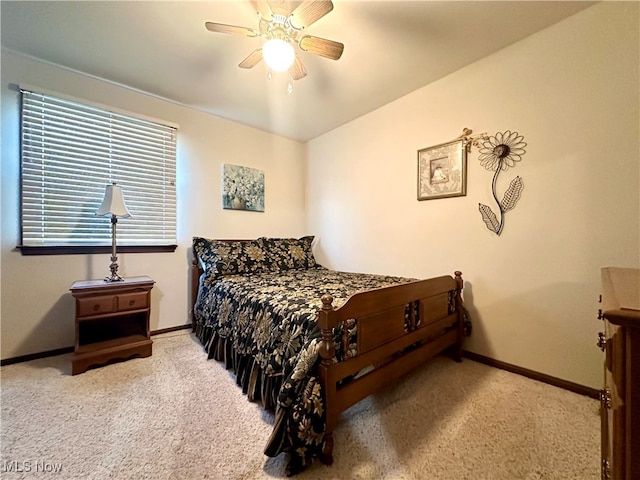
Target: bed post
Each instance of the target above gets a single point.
(327, 351)
(460, 313)
(195, 282)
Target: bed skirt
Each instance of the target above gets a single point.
(267, 390)
(249, 376)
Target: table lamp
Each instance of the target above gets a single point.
(113, 204)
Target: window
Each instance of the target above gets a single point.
(70, 152)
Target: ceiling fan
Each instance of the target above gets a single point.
(282, 28)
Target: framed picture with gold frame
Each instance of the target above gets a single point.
(442, 171)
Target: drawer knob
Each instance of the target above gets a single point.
(132, 303)
(96, 307)
(606, 470)
(602, 341)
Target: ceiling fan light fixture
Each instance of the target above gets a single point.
(278, 54)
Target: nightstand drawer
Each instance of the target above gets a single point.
(132, 301)
(95, 305)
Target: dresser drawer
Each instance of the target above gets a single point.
(132, 301)
(87, 307)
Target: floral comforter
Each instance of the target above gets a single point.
(263, 326)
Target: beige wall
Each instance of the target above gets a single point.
(572, 91)
(36, 308)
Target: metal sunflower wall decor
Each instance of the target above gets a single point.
(498, 153)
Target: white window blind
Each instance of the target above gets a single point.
(70, 152)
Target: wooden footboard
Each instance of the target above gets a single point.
(399, 328)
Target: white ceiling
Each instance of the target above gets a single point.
(162, 47)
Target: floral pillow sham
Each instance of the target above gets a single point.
(219, 257)
(289, 253)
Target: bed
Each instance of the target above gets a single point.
(308, 342)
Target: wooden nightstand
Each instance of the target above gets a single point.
(112, 321)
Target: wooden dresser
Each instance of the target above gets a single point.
(112, 321)
(620, 397)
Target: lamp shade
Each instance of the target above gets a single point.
(278, 54)
(113, 203)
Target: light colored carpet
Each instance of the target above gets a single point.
(177, 415)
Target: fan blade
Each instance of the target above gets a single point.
(297, 70)
(309, 12)
(262, 7)
(322, 46)
(280, 7)
(222, 28)
(252, 60)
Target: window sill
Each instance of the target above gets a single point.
(87, 249)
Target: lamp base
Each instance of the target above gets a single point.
(114, 277)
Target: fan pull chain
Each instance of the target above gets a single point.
(289, 84)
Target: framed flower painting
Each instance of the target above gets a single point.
(242, 188)
(442, 171)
